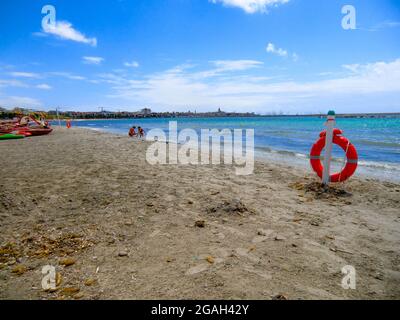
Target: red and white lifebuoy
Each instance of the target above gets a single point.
(345, 144)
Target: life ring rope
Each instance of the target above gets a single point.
(344, 160)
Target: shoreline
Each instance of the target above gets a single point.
(381, 171)
(135, 231)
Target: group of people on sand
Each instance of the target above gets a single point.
(140, 132)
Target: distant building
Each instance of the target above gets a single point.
(146, 111)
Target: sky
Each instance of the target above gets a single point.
(263, 56)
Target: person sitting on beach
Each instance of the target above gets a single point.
(24, 121)
(132, 132)
(44, 123)
(141, 132)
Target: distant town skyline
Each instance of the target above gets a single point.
(264, 56)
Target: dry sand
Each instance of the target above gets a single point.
(127, 229)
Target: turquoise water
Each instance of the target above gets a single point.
(289, 139)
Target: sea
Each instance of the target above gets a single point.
(288, 140)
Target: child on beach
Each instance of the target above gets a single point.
(132, 132)
(141, 132)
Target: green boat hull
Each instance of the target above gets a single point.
(11, 136)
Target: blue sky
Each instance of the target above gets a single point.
(262, 56)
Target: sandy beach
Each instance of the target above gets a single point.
(116, 227)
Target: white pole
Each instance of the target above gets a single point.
(58, 117)
(330, 125)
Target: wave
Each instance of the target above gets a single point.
(283, 152)
(380, 165)
(371, 164)
(377, 143)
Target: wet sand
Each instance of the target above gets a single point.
(116, 227)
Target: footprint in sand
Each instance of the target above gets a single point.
(204, 266)
(197, 269)
(245, 253)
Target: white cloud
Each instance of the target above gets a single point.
(352, 67)
(389, 24)
(236, 65)
(219, 68)
(93, 60)
(17, 101)
(43, 86)
(278, 51)
(24, 75)
(183, 88)
(64, 30)
(229, 84)
(133, 64)
(17, 83)
(251, 6)
(11, 83)
(67, 75)
(384, 25)
(271, 48)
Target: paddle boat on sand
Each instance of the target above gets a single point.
(9, 136)
(26, 126)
